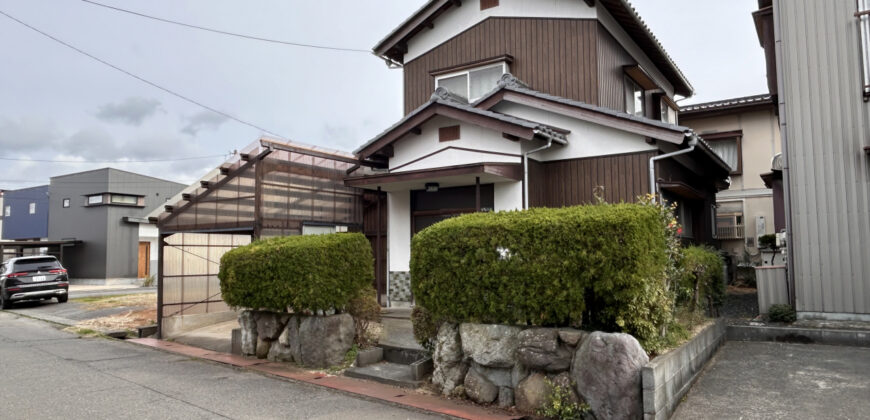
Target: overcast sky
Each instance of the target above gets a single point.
(56, 104)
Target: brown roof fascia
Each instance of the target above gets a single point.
(450, 112)
(726, 110)
(606, 120)
(507, 170)
(641, 77)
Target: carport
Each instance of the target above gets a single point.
(272, 188)
(12, 249)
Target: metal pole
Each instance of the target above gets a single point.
(477, 194)
(378, 276)
(160, 238)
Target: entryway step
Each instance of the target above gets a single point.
(389, 373)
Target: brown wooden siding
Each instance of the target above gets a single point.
(556, 56)
(572, 182)
(611, 77)
(669, 170)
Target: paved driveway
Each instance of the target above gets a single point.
(748, 380)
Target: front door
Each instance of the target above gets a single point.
(144, 259)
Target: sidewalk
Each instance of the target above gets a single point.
(372, 390)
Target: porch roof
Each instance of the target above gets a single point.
(446, 176)
(446, 104)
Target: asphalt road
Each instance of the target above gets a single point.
(781, 381)
(46, 373)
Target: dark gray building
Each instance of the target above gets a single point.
(99, 208)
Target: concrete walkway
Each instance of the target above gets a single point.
(758, 380)
(50, 374)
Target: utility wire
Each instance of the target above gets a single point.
(141, 79)
(218, 31)
(110, 161)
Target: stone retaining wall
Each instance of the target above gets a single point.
(312, 341)
(668, 378)
(509, 365)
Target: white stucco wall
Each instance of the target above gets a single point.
(585, 140)
(469, 14)
(399, 230)
(414, 146)
(508, 196)
(148, 233)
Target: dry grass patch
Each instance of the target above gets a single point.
(103, 302)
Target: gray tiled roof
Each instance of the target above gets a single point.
(510, 82)
(443, 97)
(728, 103)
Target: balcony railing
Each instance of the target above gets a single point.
(730, 232)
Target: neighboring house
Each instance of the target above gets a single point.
(25, 214)
(101, 209)
(2, 208)
(745, 132)
(818, 60)
(538, 103)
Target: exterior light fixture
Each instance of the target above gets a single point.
(431, 187)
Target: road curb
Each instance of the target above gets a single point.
(66, 322)
(852, 338)
(366, 389)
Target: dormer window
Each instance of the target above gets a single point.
(633, 97)
(472, 84)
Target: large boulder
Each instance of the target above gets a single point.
(498, 376)
(489, 344)
(607, 374)
(479, 389)
(563, 380)
(324, 340)
(450, 370)
(270, 324)
(539, 349)
(249, 333)
(532, 393)
(263, 347)
(572, 337)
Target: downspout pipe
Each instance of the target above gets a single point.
(693, 141)
(550, 140)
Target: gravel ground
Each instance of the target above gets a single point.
(741, 304)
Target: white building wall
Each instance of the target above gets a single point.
(414, 146)
(585, 140)
(399, 230)
(458, 19)
(508, 196)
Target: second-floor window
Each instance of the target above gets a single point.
(8, 211)
(633, 97)
(729, 150)
(32, 208)
(95, 199)
(472, 84)
(125, 199)
(668, 114)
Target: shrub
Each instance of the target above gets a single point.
(365, 309)
(425, 327)
(547, 267)
(559, 404)
(767, 241)
(701, 284)
(303, 273)
(781, 313)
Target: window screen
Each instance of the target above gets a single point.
(727, 149)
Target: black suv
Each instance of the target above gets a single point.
(30, 278)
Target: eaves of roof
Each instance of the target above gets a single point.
(726, 105)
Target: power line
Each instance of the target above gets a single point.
(111, 161)
(141, 79)
(218, 31)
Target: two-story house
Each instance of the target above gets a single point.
(745, 132)
(512, 104)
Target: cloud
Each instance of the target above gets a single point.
(27, 134)
(202, 120)
(132, 111)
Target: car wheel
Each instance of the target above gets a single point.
(62, 299)
(5, 303)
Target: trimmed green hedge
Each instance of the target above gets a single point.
(701, 284)
(553, 267)
(312, 272)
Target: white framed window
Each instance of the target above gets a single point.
(124, 199)
(729, 150)
(31, 209)
(7, 211)
(668, 114)
(472, 84)
(65, 203)
(95, 199)
(633, 97)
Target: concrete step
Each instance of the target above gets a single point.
(395, 374)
